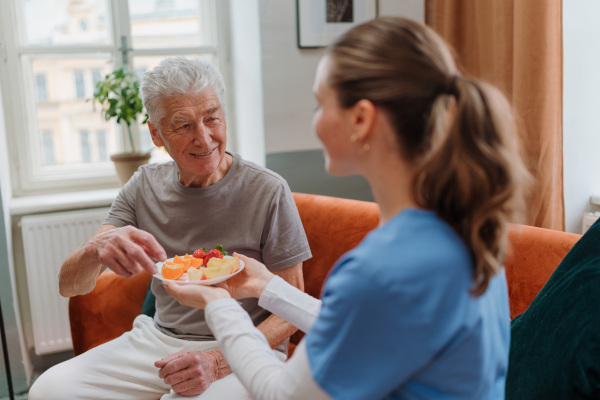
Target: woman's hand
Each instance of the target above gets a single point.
(195, 295)
(249, 282)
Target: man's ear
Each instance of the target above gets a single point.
(363, 119)
(156, 139)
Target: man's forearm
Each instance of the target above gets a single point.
(78, 274)
(80, 270)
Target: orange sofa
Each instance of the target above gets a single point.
(333, 226)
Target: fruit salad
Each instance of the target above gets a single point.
(201, 265)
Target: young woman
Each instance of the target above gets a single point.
(440, 152)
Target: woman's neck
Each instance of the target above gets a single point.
(388, 174)
(391, 183)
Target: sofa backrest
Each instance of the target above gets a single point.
(333, 226)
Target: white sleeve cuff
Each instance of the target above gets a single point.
(290, 303)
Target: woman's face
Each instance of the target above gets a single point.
(193, 132)
(332, 125)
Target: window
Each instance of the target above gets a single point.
(96, 77)
(102, 148)
(40, 87)
(79, 88)
(86, 153)
(56, 52)
(48, 147)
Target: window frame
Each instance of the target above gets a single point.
(20, 112)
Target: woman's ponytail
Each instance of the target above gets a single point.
(473, 174)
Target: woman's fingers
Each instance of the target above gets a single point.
(198, 296)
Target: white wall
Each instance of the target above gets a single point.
(288, 72)
(246, 62)
(581, 107)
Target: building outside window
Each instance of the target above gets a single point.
(59, 49)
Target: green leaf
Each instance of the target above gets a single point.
(220, 248)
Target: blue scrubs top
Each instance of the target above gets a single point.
(398, 320)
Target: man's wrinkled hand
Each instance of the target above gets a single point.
(189, 373)
(127, 251)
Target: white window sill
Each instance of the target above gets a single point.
(62, 201)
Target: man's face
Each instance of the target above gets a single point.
(193, 132)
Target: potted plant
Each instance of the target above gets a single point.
(119, 97)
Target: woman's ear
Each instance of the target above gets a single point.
(363, 119)
(156, 139)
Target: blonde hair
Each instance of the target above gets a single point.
(458, 131)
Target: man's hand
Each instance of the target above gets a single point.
(127, 251)
(189, 373)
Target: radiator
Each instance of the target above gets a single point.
(47, 240)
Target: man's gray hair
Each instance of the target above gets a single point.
(178, 76)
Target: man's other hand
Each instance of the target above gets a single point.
(189, 373)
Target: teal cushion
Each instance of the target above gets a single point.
(149, 305)
(555, 343)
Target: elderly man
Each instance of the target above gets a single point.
(203, 197)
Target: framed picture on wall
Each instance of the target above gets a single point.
(321, 21)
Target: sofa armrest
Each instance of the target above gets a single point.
(533, 255)
(107, 311)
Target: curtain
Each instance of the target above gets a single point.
(517, 46)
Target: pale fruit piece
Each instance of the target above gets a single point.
(232, 262)
(195, 274)
(216, 272)
(218, 267)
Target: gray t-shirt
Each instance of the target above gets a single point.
(250, 211)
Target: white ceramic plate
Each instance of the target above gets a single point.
(207, 282)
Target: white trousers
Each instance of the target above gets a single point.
(123, 369)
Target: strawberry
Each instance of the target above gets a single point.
(200, 253)
(211, 254)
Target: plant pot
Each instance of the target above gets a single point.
(127, 163)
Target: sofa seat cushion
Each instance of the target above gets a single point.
(555, 343)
